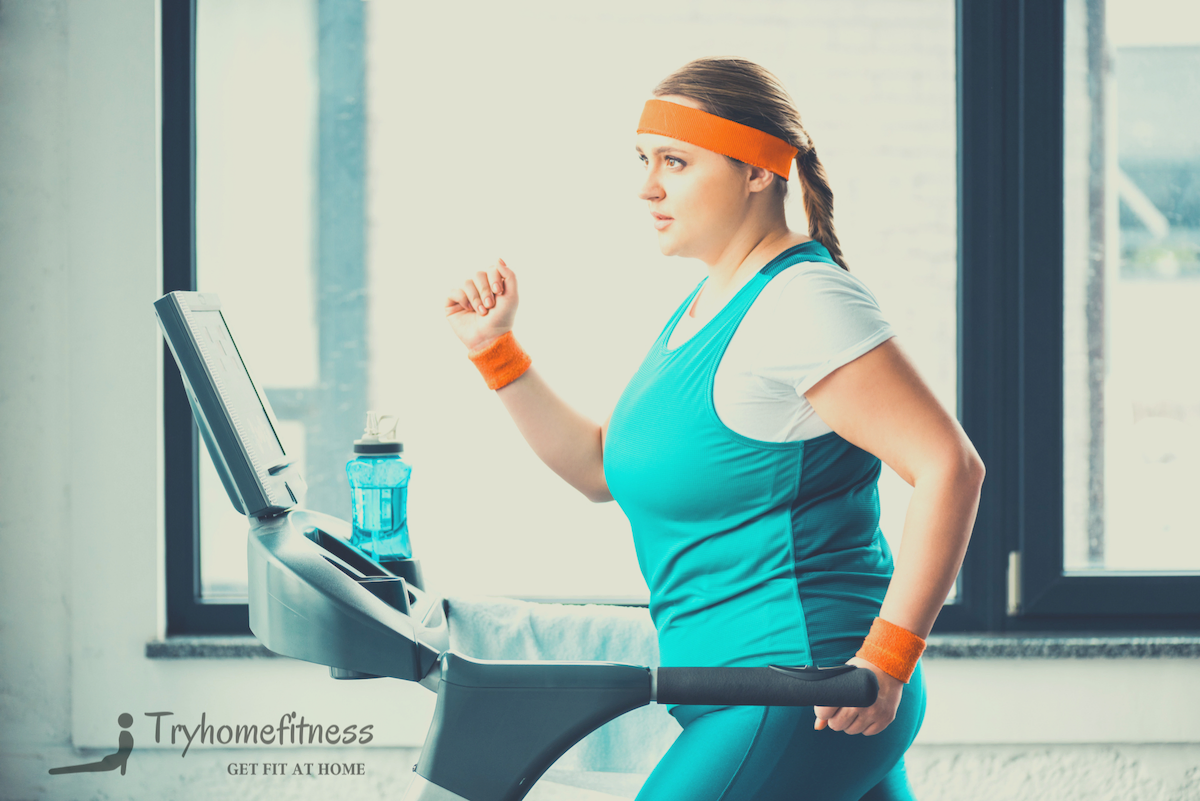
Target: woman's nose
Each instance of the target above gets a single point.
(651, 189)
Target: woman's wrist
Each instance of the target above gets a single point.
(500, 360)
(484, 341)
(883, 676)
(892, 649)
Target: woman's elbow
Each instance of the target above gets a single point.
(968, 466)
(975, 469)
(964, 471)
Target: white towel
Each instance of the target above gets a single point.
(486, 627)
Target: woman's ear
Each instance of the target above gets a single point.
(760, 178)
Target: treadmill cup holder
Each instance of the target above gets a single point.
(314, 596)
(393, 591)
(408, 569)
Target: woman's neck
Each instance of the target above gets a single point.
(728, 274)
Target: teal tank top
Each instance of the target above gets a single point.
(754, 552)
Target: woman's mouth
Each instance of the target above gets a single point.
(662, 222)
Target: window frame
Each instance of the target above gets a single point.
(341, 389)
(187, 613)
(1011, 180)
(1010, 340)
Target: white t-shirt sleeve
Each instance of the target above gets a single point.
(809, 320)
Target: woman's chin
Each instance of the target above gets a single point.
(667, 244)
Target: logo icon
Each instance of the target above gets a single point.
(112, 761)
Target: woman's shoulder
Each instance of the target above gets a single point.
(811, 318)
(810, 306)
(806, 283)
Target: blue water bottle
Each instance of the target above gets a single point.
(379, 494)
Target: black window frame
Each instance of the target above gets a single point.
(1011, 184)
(187, 613)
(339, 395)
(1010, 92)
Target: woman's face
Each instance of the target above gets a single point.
(705, 195)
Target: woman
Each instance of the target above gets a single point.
(746, 453)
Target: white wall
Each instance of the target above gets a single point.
(80, 504)
(35, 704)
(80, 451)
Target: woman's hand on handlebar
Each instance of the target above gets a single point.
(866, 719)
(485, 306)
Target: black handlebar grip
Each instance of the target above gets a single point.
(763, 686)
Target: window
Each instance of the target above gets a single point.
(262, 246)
(1131, 416)
(1027, 367)
(349, 171)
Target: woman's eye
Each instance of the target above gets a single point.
(642, 158)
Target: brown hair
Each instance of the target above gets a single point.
(744, 92)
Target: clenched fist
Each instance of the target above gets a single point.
(485, 306)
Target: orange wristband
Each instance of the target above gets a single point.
(892, 649)
(501, 361)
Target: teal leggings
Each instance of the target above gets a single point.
(772, 753)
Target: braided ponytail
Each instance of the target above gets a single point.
(744, 92)
(818, 203)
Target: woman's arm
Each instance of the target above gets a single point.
(879, 403)
(571, 445)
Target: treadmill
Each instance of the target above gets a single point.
(497, 725)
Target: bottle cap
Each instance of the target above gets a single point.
(372, 443)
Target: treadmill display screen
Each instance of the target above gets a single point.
(236, 388)
(234, 418)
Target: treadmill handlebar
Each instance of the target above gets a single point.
(764, 686)
(845, 685)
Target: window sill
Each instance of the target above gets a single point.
(210, 647)
(956, 646)
(1062, 646)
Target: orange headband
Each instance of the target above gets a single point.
(718, 134)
